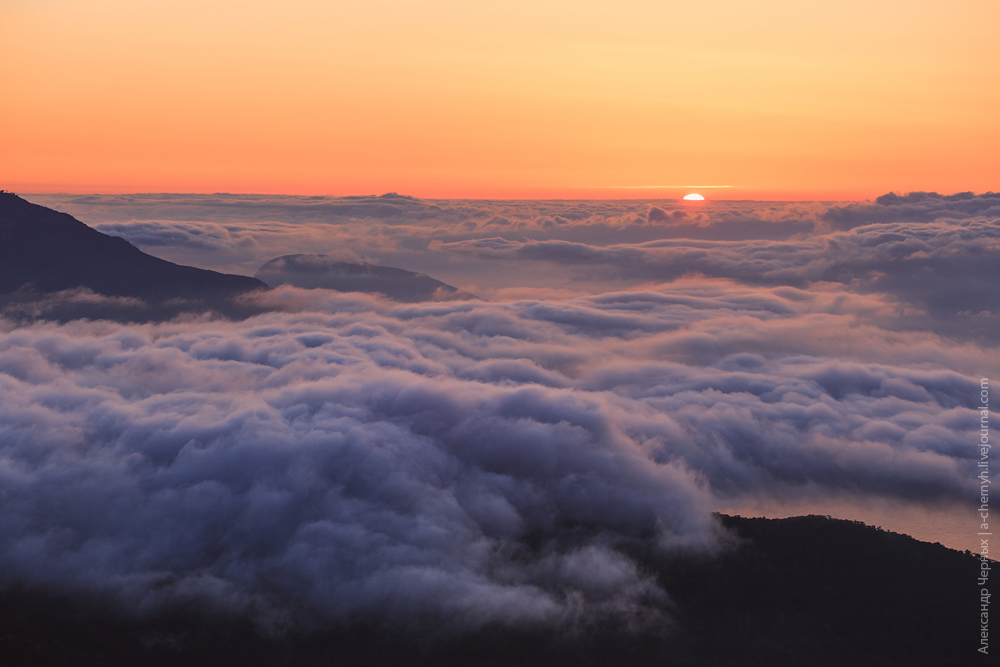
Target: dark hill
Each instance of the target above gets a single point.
(323, 271)
(802, 591)
(43, 251)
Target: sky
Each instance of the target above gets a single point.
(583, 99)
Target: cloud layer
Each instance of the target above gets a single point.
(935, 255)
(640, 364)
(238, 233)
(477, 462)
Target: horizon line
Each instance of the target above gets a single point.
(654, 187)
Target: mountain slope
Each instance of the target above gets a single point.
(791, 592)
(44, 251)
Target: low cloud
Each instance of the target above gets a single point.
(342, 455)
(655, 214)
(914, 207)
(935, 253)
(476, 462)
(239, 233)
(943, 274)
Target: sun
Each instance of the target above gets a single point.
(694, 197)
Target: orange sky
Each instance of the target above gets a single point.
(582, 98)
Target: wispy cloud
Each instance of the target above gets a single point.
(663, 187)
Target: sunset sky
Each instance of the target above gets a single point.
(517, 99)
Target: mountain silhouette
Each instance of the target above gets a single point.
(43, 251)
(801, 591)
(324, 271)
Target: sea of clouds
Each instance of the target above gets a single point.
(936, 256)
(635, 366)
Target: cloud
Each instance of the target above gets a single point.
(331, 272)
(26, 305)
(943, 273)
(239, 233)
(914, 207)
(922, 247)
(340, 455)
(655, 214)
(475, 462)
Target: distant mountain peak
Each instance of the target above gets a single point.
(330, 272)
(43, 251)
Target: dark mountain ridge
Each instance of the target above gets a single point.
(801, 591)
(55, 267)
(43, 251)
